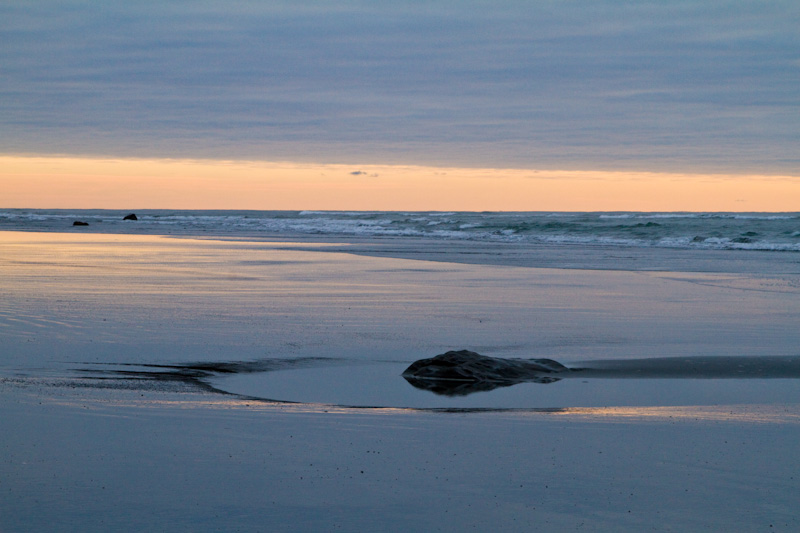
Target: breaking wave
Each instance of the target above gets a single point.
(712, 231)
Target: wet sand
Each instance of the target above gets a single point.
(115, 412)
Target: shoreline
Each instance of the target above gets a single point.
(605, 257)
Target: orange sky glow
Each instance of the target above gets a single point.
(74, 182)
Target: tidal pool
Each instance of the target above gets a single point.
(380, 384)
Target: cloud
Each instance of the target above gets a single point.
(651, 85)
(362, 173)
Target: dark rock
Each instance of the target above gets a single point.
(80, 223)
(132, 216)
(458, 373)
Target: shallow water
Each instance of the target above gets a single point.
(381, 385)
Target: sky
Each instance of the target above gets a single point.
(679, 94)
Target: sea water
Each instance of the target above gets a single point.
(694, 231)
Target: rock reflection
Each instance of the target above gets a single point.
(445, 387)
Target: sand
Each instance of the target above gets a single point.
(84, 450)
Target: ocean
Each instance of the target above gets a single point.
(773, 232)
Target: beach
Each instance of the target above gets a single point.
(136, 394)
(399, 266)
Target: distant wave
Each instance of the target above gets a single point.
(701, 231)
(736, 216)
